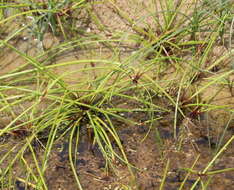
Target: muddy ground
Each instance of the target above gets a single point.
(197, 136)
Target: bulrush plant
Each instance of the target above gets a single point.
(160, 67)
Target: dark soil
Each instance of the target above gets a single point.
(149, 154)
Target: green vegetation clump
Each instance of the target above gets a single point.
(73, 70)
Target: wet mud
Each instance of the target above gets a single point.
(148, 148)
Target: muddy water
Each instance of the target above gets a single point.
(197, 137)
(149, 157)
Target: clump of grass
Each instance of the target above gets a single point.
(171, 59)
